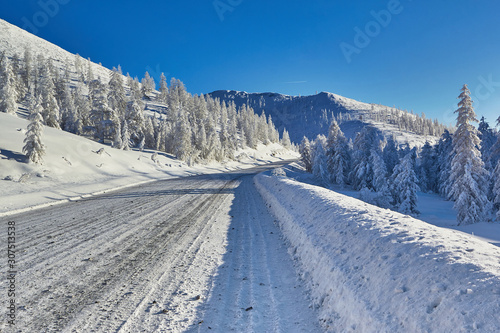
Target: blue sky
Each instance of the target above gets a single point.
(411, 54)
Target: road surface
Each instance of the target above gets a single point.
(196, 254)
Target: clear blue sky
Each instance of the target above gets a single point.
(417, 57)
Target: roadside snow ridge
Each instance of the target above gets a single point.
(375, 270)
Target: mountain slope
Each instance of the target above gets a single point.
(311, 115)
(14, 40)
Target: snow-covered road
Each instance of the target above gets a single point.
(188, 254)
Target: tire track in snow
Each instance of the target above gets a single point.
(129, 249)
(255, 289)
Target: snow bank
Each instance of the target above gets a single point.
(374, 270)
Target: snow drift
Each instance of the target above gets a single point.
(375, 270)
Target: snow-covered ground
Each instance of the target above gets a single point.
(73, 166)
(189, 254)
(375, 270)
(14, 40)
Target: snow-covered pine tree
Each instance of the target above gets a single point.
(215, 150)
(125, 136)
(136, 121)
(468, 175)
(149, 133)
(404, 186)
(494, 156)
(488, 139)
(341, 161)
(285, 140)
(262, 130)
(82, 110)
(70, 116)
(117, 99)
(51, 111)
(427, 169)
(383, 197)
(90, 73)
(182, 138)
(320, 164)
(8, 91)
(338, 154)
(379, 170)
(117, 140)
(273, 133)
(148, 85)
(19, 86)
(444, 153)
(331, 140)
(162, 97)
(226, 142)
(362, 172)
(103, 118)
(33, 146)
(201, 143)
(27, 71)
(306, 154)
(390, 154)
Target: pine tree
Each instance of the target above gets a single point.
(488, 139)
(426, 169)
(285, 141)
(337, 154)
(362, 171)
(125, 137)
(379, 171)
(320, 164)
(27, 71)
(33, 146)
(306, 154)
(70, 116)
(136, 121)
(404, 186)
(273, 133)
(341, 162)
(383, 197)
(390, 154)
(148, 85)
(183, 145)
(494, 152)
(51, 111)
(90, 72)
(468, 174)
(82, 110)
(8, 91)
(162, 98)
(103, 118)
(444, 153)
(117, 99)
(117, 140)
(19, 87)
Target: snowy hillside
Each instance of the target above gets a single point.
(311, 115)
(375, 270)
(75, 166)
(14, 40)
